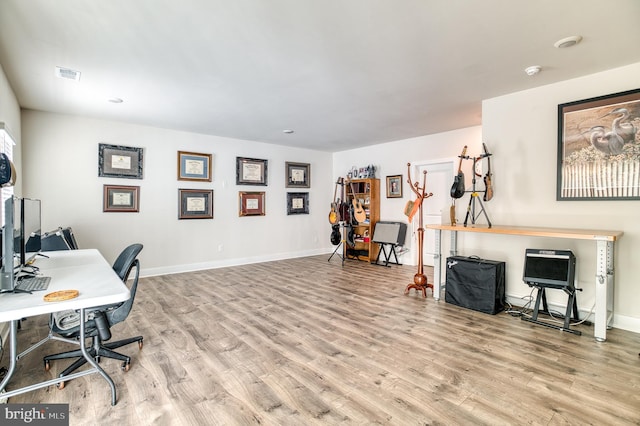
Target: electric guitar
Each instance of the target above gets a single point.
(334, 215)
(488, 191)
(335, 234)
(359, 214)
(343, 207)
(457, 190)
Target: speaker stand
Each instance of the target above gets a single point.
(387, 256)
(572, 305)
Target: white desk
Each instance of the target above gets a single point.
(604, 264)
(83, 270)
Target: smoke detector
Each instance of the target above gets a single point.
(67, 73)
(533, 70)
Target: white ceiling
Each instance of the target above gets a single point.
(341, 73)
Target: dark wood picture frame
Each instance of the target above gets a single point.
(119, 161)
(297, 203)
(297, 175)
(195, 203)
(120, 198)
(251, 171)
(252, 203)
(194, 166)
(394, 186)
(598, 151)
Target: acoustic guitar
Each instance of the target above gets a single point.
(334, 215)
(359, 214)
(457, 190)
(488, 188)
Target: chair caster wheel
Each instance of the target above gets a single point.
(60, 385)
(140, 344)
(47, 366)
(126, 366)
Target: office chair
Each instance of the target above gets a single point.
(99, 321)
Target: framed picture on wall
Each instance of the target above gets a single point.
(251, 171)
(120, 198)
(193, 166)
(394, 186)
(297, 175)
(251, 203)
(195, 203)
(119, 161)
(297, 203)
(599, 148)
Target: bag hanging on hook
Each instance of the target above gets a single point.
(7, 171)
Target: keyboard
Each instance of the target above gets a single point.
(33, 283)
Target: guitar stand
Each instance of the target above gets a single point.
(572, 304)
(340, 245)
(471, 208)
(387, 256)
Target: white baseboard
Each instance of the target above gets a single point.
(177, 269)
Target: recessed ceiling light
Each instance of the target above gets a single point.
(533, 70)
(116, 100)
(567, 42)
(67, 73)
(287, 131)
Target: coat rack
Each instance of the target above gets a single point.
(419, 280)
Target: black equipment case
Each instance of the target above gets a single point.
(475, 283)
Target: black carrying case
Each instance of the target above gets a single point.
(475, 283)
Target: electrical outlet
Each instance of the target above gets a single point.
(220, 247)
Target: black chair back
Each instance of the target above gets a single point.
(123, 266)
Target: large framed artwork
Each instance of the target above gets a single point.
(297, 175)
(599, 148)
(195, 203)
(119, 161)
(251, 171)
(193, 166)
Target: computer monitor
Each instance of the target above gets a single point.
(549, 268)
(31, 229)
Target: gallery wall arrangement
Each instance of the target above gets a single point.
(118, 161)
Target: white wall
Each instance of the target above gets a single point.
(520, 130)
(62, 171)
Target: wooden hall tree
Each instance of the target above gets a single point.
(420, 279)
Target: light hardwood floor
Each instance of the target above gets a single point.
(306, 341)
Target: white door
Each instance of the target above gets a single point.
(439, 180)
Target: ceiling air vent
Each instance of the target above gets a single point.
(67, 73)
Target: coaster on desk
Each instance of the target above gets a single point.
(58, 296)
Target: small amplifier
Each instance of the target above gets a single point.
(475, 283)
(390, 233)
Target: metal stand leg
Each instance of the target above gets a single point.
(604, 289)
(341, 245)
